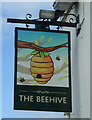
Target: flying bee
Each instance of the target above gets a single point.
(22, 79)
(57, 58)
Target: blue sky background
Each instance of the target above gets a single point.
(17, 10)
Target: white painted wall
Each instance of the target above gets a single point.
(90, 60)
(81, 64)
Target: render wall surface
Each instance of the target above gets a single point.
(81, 65)
(80, 57)
(90, 60)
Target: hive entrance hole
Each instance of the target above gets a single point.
(39, 76)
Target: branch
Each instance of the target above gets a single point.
(30, 45)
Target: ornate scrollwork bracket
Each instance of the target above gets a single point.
(28, 17)
(73, 18)
(76, 19)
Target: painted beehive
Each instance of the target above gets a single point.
(42, 69)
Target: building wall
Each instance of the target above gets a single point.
(90, 61)
(81, 63)
(81, 66)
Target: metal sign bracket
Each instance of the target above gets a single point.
(46, 23)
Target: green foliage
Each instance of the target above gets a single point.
(46, 53)
(34, 52)
(41, 53)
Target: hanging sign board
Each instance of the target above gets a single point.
(42, 70)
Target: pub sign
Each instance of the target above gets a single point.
(42, 70)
